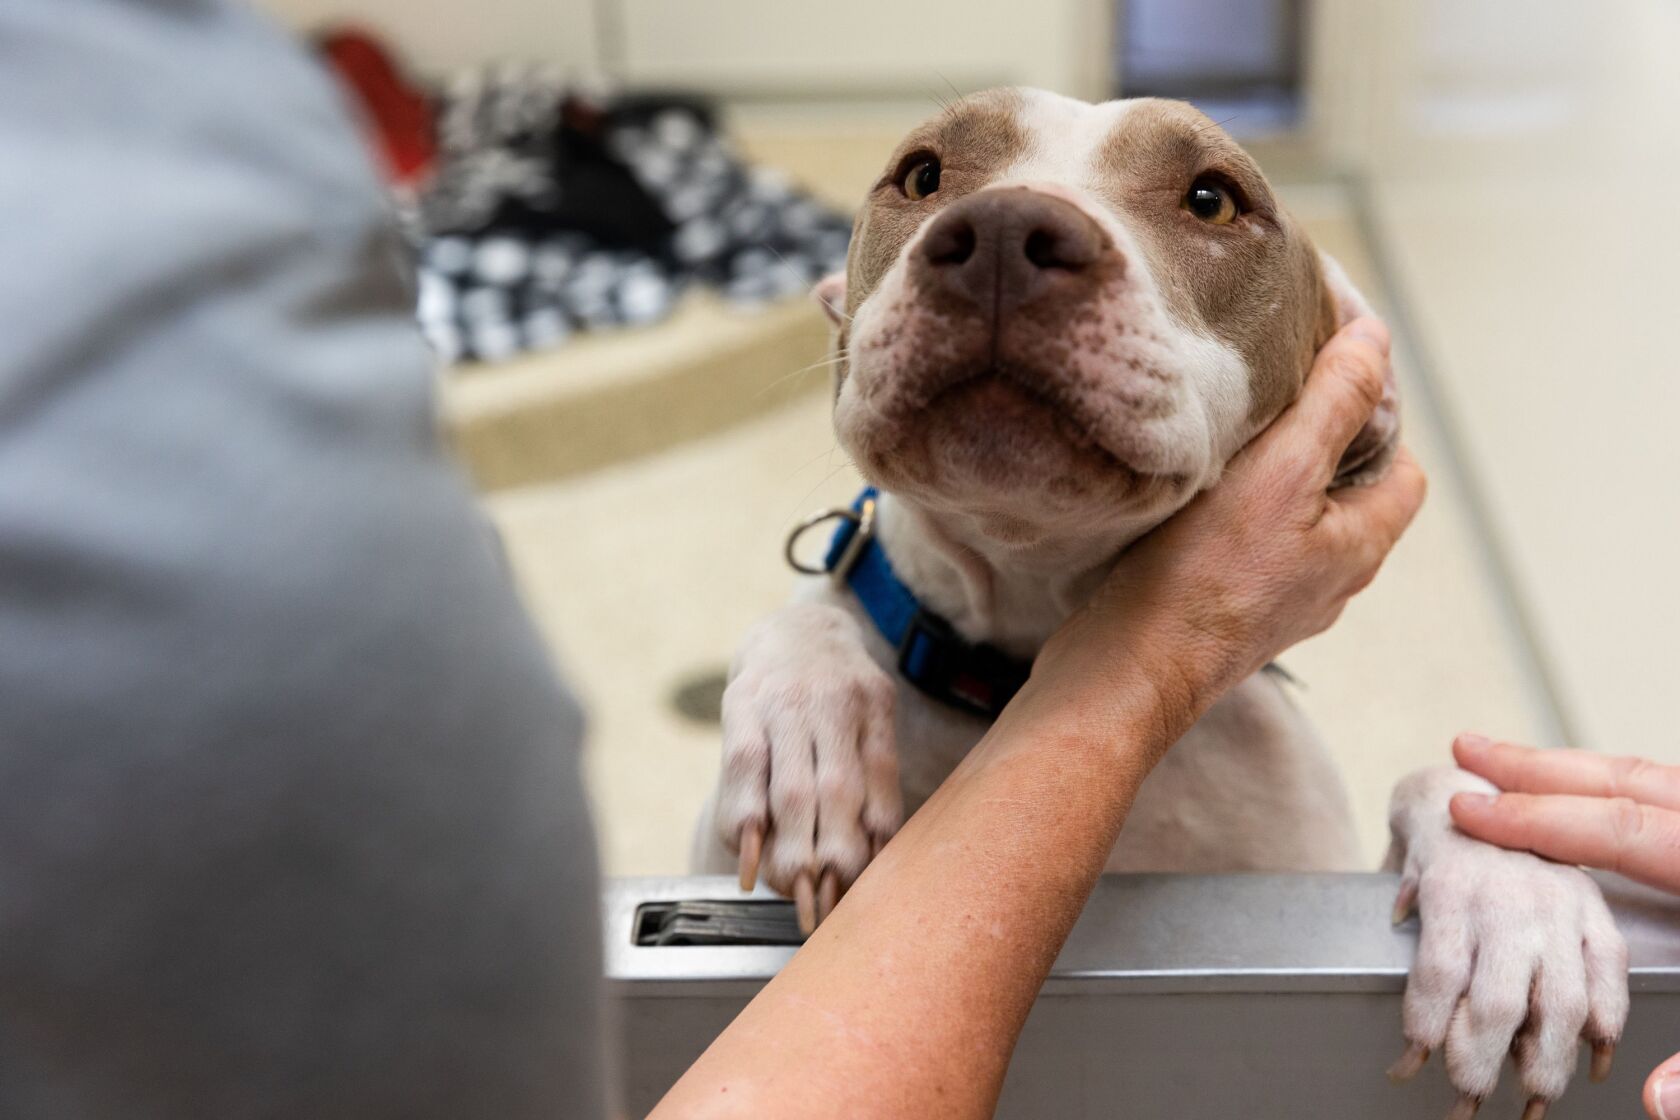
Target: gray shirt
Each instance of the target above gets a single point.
(290, 814)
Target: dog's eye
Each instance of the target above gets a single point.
(1212, 201)
(922, 179)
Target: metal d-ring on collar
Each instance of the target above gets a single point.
(863, 517)
(932, 656)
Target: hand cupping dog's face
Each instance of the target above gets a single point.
(1063, 319)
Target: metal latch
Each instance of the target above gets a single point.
(707, 922)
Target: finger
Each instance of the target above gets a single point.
(1606, 955)
(1662, 1091)
(1342, 391)
(1372, 518)
(1519, 769)
(805, 903)
(1617, 834)
(752, 846)
(1488, 1019)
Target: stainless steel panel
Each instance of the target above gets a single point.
(1176, 997)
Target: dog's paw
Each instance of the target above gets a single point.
(1517, 955)
(809, 791)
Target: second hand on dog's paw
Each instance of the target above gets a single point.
(1517, 955)
(809, 791)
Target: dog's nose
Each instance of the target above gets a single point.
(1002, 248)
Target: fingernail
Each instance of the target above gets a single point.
(1474, 741)
(1668, 1097)
(1372, 331)
(1473, 801)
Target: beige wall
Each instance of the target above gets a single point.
(757, 49)
(441, 35)
(1522, 156)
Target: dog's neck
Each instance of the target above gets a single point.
(1010, 596)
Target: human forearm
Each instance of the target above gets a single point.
(908, 999)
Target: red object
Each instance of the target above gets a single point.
(398, 113)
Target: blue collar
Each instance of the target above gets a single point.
(932, 656)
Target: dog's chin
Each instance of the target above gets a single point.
(987, 445)
(997, 434)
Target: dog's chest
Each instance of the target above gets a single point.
(1248, 788)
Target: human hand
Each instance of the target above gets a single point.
(1265, 558)
(1619, 814)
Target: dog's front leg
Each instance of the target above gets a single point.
(1516, 954)
(809, 790)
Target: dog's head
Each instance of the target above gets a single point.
(1060, 317)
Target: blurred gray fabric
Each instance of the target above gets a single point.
(290, 813)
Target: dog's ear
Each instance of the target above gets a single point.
(1373, 448)
(830, 292)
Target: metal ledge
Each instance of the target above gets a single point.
(1176, 997)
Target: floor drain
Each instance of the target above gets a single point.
(700, 697)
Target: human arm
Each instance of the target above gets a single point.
(291, 819)
(906, 1003)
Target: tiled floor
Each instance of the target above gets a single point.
(644, 574)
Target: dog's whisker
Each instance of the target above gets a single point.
(827, 456)
(820, 483)
(955, 92)
(783, 258)
(826, 363)
(779, 254)
(1217, 124)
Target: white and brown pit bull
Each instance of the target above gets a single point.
(1059, 321)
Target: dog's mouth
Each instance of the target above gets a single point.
(1004, 406)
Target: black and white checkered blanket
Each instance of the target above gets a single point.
(553, 211)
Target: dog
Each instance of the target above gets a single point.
(1057, 324)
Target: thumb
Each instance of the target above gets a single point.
(1342, 390)
(1662, 1091)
